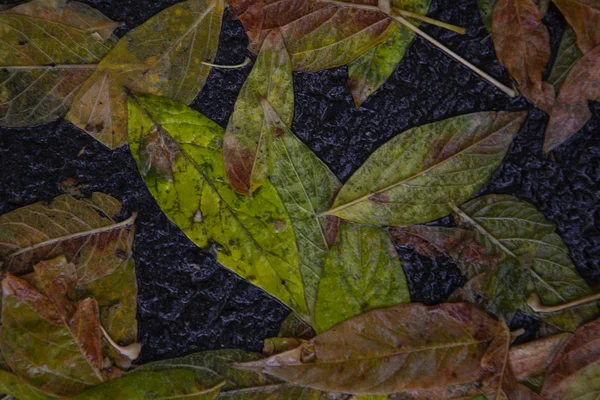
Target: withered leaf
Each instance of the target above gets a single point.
(402, 348)
(522, 44)
(571, 110)
(533, 358)
(164, 56)
(566, 57)
(584, 17)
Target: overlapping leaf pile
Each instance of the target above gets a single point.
(277, 216)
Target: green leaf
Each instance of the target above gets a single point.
(42, 65)
(163, 56)
(412, 178)
(307, 188)
(534, 258)
(408, 347)
(368, 72)
(567, 56)
(179, 154)
(362, 273)
(12, 385)
(486, 9)
(245, 148)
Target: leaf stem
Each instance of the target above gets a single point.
(132, 351)
(535, 303)
(242, 65)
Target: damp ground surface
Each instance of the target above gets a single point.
(188, 302)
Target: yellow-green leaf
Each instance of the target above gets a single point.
(412, 178)
(362, 273)
(171, 64)
(12, 385)
(245, 149)
(179, 154)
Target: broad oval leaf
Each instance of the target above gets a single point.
(170, 65)
(307, 188)
(12, 385)
(403, 348)
(566, 57)
(584, 17)
(245, 148)
(317, 35)
(571, 110)
(362, 273)
(522, 44)
(412, 178)
(516, 230)
(42, 65)
(179, 154)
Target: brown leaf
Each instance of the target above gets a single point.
(530, 359)
(571, 110)
(584, 17)
(522, 44)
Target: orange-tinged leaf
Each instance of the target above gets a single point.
(522, 45)
(571, 110)
(584, 17)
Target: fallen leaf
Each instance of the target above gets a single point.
(12, 385)
(412, 178)
(52, 343)
(368, 72)
(571, 110)
(486, 10)
(307, 188)
(42, 65)
(533, 358)
(533, 258)
(245, 148)
(317, 35)
(566, 57)
(163, 56)
(179, 154)
(294, 327)
(82, 230)
(362, 273)
(72, 13)
(522, 45)
(584, 17)
(572, 374)
(456, 243)
(402, 348)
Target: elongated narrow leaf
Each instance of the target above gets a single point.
(245, 149)
(179, 153)
(50, 342)
(12, 385)
(571, 110)
(402, 348)
(170, 65)
(573, 374)
(412, 178)
(533, 358)
(369, 71)
(567, 56)
(81, 230)
(362, 273)
(317, 35)
(212, 367)
(307, 188)
(72, 13)
(42, 65)
(534, 258)
(584, 17)
(522, 44)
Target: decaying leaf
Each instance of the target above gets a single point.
(317, 35)
(12, 385)
(369, 71)
(533, 259)
(294, 327)
(179, 153)
(307, 188)
(566, 57)
(584, 17)
(82, 230)
(533, 358)
(245, 148)
(72, 13)
(164, 56)
(362, 273)
(42, 65)
(522, 45)
(412, 178)
(573, 372)
(402, 348)
(571, 110)
(456, 243)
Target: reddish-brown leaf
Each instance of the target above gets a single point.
(584, 17)
(571, 110)
(530, 359)
(522, 44)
